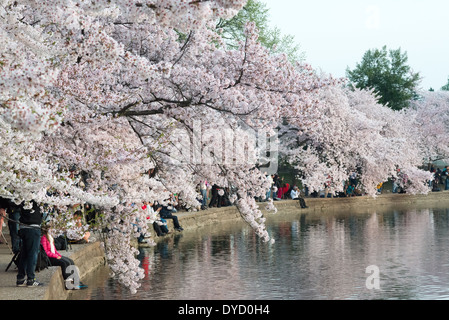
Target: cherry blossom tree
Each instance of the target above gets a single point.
(431, 114)
(105, 89)
(352, 131)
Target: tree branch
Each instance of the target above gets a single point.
(184, 48)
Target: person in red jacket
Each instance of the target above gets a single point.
(70, 272)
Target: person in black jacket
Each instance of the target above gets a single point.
(217, 197)
(30, 234)
(166, 213)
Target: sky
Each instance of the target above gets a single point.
(334, 35)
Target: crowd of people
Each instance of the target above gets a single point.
(351, 188)
(283, 190)
(32, 235)
(440, 177)
(217, 196)
(157, 216)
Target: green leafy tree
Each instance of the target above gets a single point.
(446, 86)
(271, 38)
(387, 72)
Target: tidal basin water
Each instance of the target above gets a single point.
(321, 255)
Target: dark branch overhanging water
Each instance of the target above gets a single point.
(316, 256)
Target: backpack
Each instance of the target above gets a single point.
(43, 262)
(61, 243)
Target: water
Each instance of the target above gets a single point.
(316, 256)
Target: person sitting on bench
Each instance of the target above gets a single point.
(70, 272)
